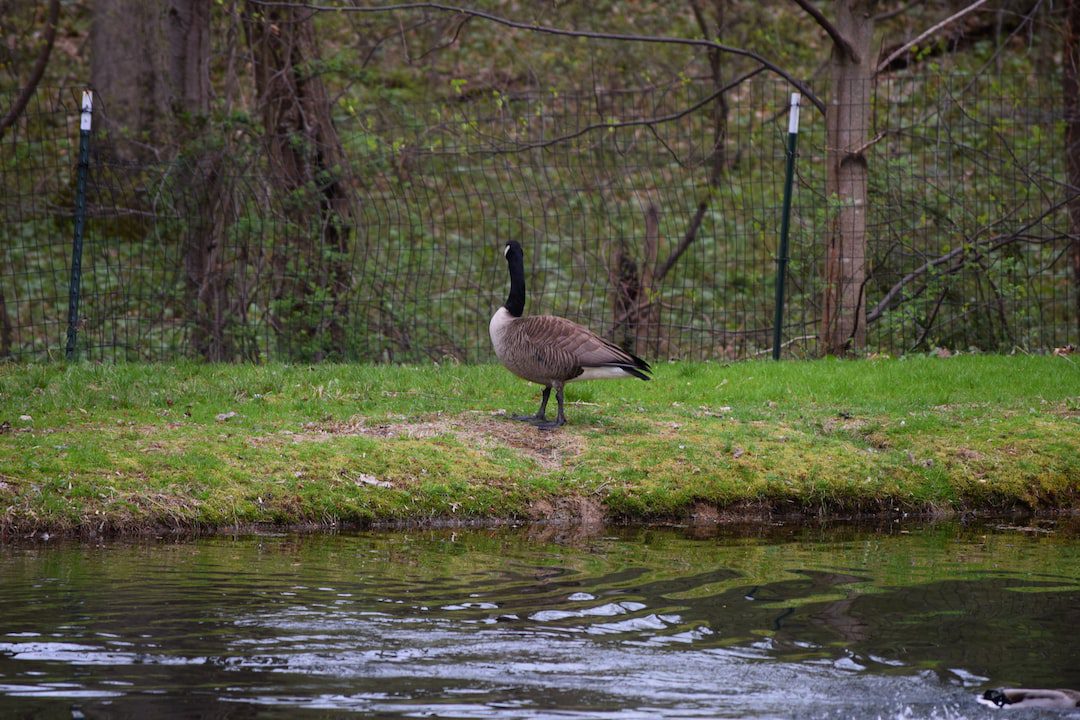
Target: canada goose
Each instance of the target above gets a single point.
(1026, 698)
(552, 351)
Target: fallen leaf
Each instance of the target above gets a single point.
(365, 479)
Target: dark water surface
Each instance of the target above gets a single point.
(893, 622)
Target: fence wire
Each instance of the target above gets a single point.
(654, 225)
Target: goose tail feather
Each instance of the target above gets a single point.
(637, 369)
(637, 373)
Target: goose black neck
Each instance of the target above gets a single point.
(515, 301)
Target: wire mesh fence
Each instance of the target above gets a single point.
(651, 215)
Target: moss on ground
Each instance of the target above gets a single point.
(145, 447)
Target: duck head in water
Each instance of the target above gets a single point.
(1031, 698)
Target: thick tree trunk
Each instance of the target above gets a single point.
(308, 162)
(843, 323)
(1071, 93)
(212, 303)
(187, 26)
(149, 63)
(207, 277)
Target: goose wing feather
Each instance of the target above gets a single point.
(574, 341)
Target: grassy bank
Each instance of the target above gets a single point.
(135, 447)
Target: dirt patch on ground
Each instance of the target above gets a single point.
(968, 454)
(485, 431)
(844, 423)
(568, 510)
(1069, 409)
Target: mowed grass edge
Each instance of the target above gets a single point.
(142, 448)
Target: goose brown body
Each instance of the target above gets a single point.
(547, 349)
(550, 350)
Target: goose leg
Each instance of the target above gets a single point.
(541, 414)
(560, 418)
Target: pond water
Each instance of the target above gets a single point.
(899, 621)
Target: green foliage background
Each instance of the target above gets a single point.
(451, 138)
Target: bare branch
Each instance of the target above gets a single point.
(651, 121)
(988, 245)
(925, 34)
(839, 40)
(443, 45)
(930, 320)
(549, 30)
(37, 72)
(792, 341)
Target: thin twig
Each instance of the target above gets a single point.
(987, 246)
(925, 34)
(633, 123)
(792, 341)
(563, 32)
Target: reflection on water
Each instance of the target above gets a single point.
(642, 623)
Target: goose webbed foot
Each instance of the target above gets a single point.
(531, 419)
(540, 418)
(551, 424)
(560, 417)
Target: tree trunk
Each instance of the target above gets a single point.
(634, 312)
(1071, 93)
(5, 329)
(209, 273)
(307, 162)
(149, 62)
(847, 122)
(206, 277)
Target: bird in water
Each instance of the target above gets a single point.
(550, 350)
(1020, 698)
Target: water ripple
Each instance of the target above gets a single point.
(495, 625)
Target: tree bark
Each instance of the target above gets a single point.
(211, 306)
(5, 329)
(149, 63)
(307, 161)
(847, 123)
(1071, 93)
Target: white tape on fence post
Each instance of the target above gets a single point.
(793, 118)
(87, 110)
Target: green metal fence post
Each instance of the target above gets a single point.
(785, 223)
(80, 221)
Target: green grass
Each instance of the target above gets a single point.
(141, 447)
